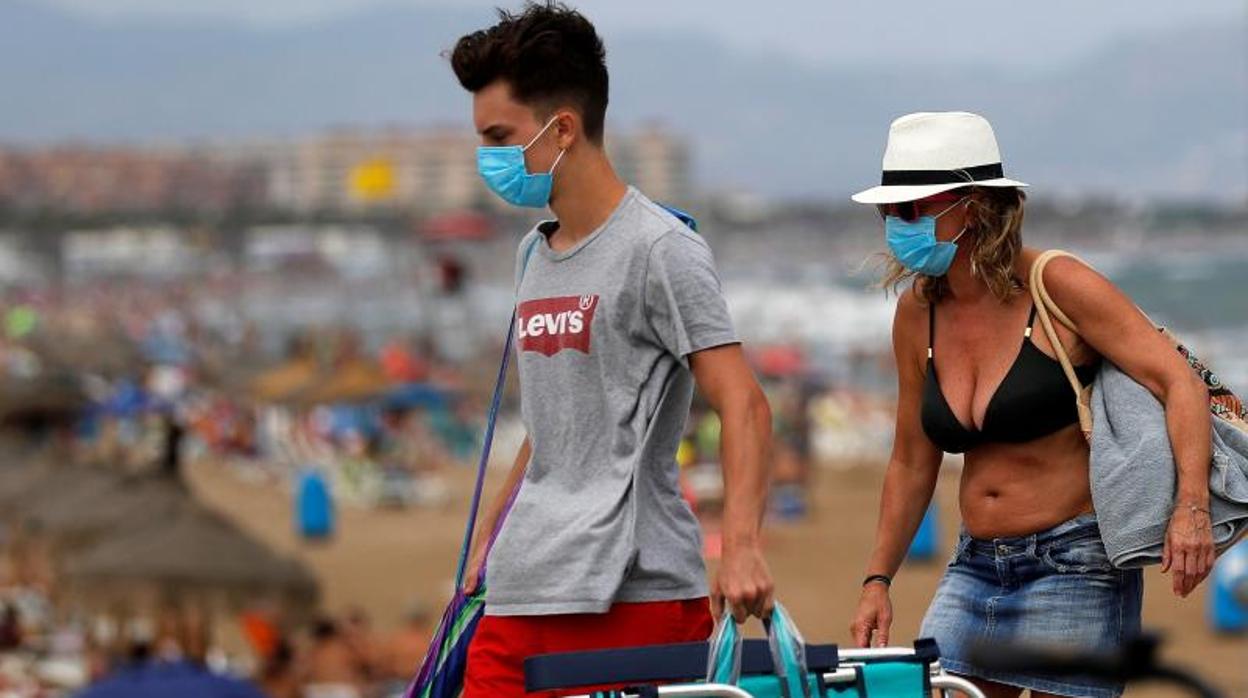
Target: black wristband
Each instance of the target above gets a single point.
(888, 581)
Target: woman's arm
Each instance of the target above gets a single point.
(1113, 326)
(908, 481)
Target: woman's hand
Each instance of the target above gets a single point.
(1115, 328)
(874, 617)
(1188, 550)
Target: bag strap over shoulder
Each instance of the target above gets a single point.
(1044, 303)
(1047, 310)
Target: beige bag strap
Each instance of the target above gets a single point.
(1047, 309)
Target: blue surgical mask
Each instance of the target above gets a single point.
(503, 169)
(914, 243)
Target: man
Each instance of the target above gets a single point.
(331, 667)
(619, 313)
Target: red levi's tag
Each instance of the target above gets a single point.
(550, 325)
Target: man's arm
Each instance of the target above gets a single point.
(725, 379)
(486, 526)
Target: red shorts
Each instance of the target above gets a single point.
(502, 643)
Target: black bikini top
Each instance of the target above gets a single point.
(1034, 399)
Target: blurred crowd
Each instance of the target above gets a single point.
(326, 657)
(345, 658)
(113, 384)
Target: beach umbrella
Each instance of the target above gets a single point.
(127, 400)
(412, 395)
(45, 488)
(354, 380)
(18, 478)
(781, 361)
(458, 225)
(282, 382)
(50, 395)
(164, 679)
(102, 506)
(192, 547)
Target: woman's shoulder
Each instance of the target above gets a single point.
(911, 315)
(1061, 268)
(1073, 284)
(910, 303)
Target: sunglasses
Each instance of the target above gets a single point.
(909, 210)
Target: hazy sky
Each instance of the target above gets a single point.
(1035, 34)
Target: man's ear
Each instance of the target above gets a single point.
(568, 128)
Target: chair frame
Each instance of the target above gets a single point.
(942, 681)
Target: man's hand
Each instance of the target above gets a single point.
(476, 557)
(472, 573)
(744, 582)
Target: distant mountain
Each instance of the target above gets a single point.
(1157, 115)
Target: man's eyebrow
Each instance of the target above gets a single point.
(494, 131)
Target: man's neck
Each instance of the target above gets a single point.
(585, 202)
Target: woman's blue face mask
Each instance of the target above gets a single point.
(914, 243)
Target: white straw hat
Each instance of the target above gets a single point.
(932, 152)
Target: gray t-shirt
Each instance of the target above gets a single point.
(603, 333)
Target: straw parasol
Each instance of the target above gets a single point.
(353, 380)
(19, 478)
(192, 548)
(45, 396)
(117, 503)
(283, 382)
(45, 488)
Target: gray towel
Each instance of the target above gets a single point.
(1133, 472)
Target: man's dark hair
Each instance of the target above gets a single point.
(547, 53)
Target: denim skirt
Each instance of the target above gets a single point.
(1053, 588)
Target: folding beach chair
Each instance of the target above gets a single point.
(730, 667)
(885, 672)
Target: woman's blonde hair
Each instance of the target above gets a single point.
(994, 222)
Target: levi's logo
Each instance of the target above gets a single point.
(550, 325)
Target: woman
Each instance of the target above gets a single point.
(975, 379)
